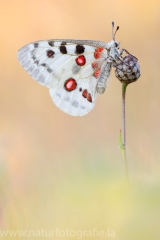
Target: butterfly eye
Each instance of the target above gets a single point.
(116, 44)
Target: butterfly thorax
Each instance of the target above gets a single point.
(113, 50)
(113, 53)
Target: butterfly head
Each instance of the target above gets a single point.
(113, 45)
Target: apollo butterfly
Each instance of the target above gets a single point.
(75, 71)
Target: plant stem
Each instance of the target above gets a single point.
(123, 132)
(124, 86)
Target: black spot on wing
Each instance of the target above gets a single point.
(36, 45)
(44, 64)
(49, 70)
(63, 43)
(51, 43)
(79, 49)
(37, 62)
(63, 49)
(34, 57)
(50, 53)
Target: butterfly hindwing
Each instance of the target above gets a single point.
(69, 68)
(78, 101)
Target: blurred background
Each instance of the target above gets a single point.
(63, 172)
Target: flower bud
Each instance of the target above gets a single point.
(127, 70)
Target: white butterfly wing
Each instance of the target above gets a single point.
(66, 67)
(78, 102)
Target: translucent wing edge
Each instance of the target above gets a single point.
(93, 43)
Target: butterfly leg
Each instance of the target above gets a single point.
(121, 61)
(124, 50)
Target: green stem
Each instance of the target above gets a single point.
(122, 140)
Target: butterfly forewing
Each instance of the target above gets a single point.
(70, 68)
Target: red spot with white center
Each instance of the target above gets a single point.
(70, 84)
(87, 95)
(94, 65)
(98, 52)
(97, 72)
(50, 53)
(80, 60)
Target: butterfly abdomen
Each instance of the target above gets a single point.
(103, 77)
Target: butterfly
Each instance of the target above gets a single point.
(75, 71)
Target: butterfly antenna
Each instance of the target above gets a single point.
(115, 33)
(113, 30)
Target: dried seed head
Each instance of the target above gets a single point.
(127, 70)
